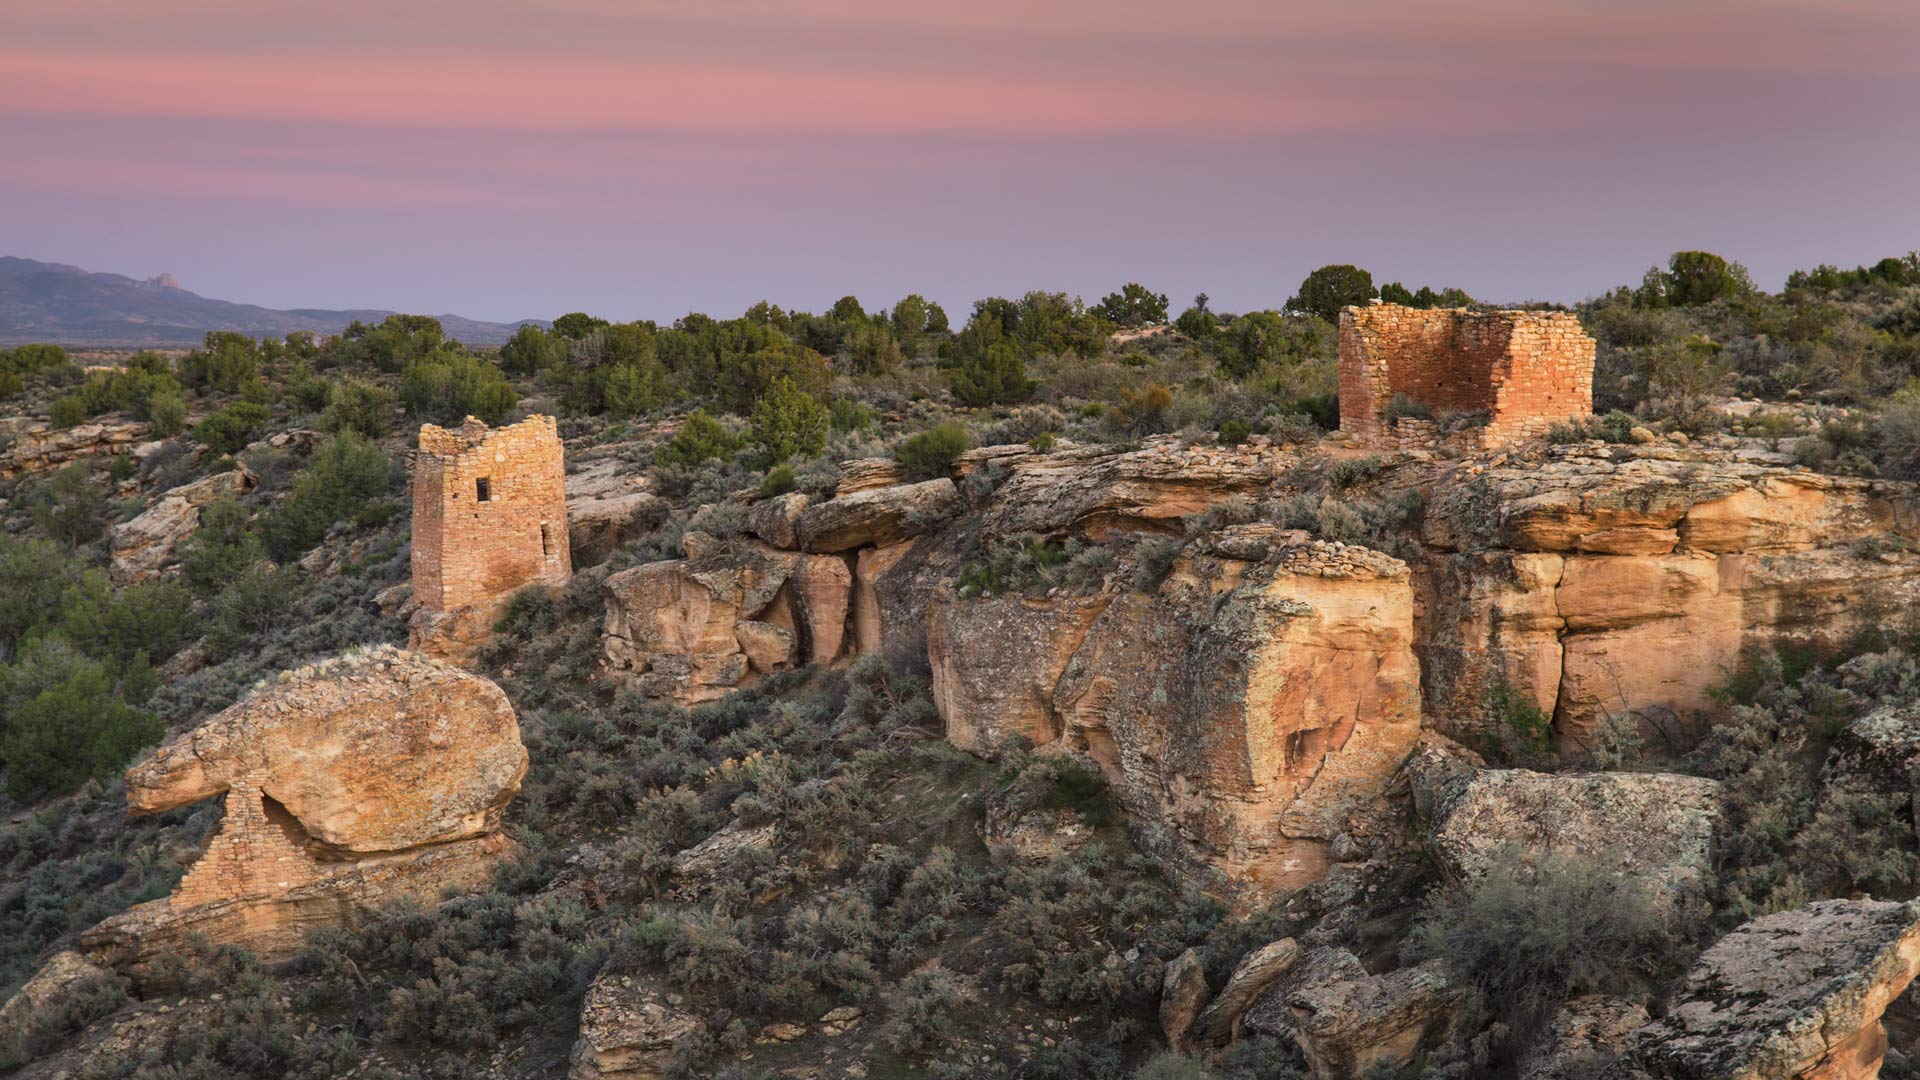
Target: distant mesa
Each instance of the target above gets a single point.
(42, 301)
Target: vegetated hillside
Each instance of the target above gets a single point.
(886, 921)
(51, 302)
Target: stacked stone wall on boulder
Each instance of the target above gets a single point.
(1525, 370)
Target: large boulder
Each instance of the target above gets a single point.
(1251, 703)
(349, 784)
(63, 977)
(1656, 828)
(143, 546)
(1100, 491)
(682, 628)
(374, 752)
(875, 517)
(629, 1030)
(1347, 1028)
(1796, 995)
(1585, 1036)
(1258, 970)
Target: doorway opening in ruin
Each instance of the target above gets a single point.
(483, 489)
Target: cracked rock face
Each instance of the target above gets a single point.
(380, 752)
(1792, 996)
(146, 544)
(698, 628)
(1242, 709)
(348, 784)
(1607, 582)
(629, 1030)
(1655, 828)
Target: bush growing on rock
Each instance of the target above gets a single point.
(932, 452)
(1531, 933)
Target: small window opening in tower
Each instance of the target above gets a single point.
(483, 489)
(546, 541)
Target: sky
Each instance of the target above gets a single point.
(645, 158)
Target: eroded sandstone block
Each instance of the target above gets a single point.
(1792, 996)
(349, 783)
(1658, 829)
(875, 517)
(1621, 586)
(698, 628)
(629, 1029)
(143, 546)
(1241, 711)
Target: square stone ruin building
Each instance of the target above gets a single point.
(489, 512)
(1523, 370)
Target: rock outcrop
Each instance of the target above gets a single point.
(1096, 492)
(698, 628)
(143, 546)
(1612, 582)
(875, 517)
(36, 446)
(1241, 710)
(605, 504)
(629, 1030)
(1655, 828)
(1792, 996)
(356, 781)
(1348, 1027)
(1585, 1036)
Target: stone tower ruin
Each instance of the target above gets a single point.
(1524, 370)
(489, 512)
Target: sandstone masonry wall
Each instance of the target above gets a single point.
(489, 512)
(1524, 369)
(251, 855)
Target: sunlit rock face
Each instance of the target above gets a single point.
(1602, 583)
(1241, 709)
(347, 784)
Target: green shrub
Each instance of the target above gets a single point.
(68, 727)
(788, 423)
(69, 410)
(1532, 931)
(699, 438)
(232, 428)
(778, 481)
(70, 507)
(342, 477)
(353, 405)
(167, 409)
(1522, 731)
(221, 548)
(932, 452)
(532, 349)
(447, 387)
(923, 1010)
(1330, 288)
(1234, 432)
(997, 374)
(225, 364)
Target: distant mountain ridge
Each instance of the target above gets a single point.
(42, 301)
